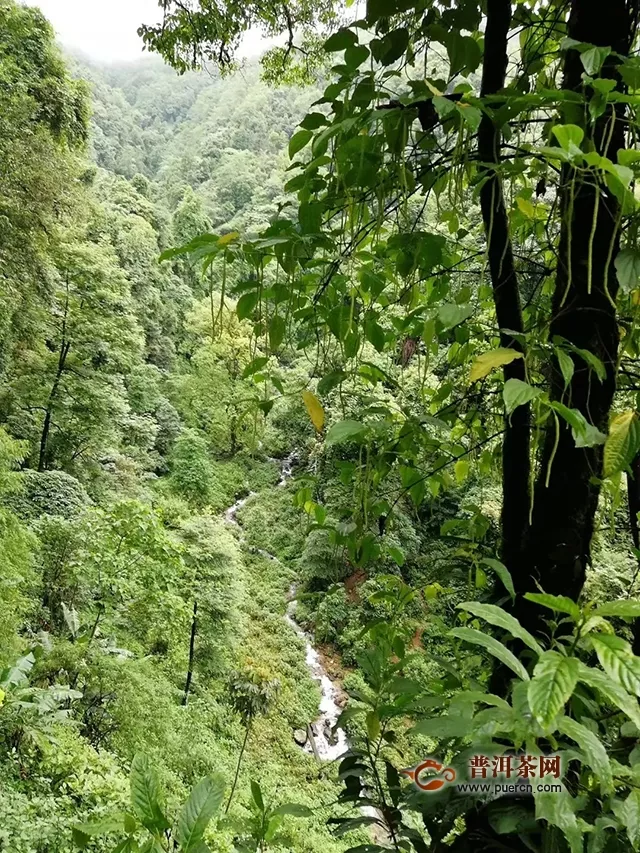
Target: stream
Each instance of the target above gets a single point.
(319, 739)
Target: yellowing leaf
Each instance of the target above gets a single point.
(484, 364)
(461, 469)
(623, 442)
(314, 407)
(228, 238)
(2, 695)
(433, 89)
(525, 206)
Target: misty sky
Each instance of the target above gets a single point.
(106, 29)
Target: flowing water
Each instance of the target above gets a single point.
(320, 738)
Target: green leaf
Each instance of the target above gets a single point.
(630, 816)
(558, 809)
(559, 603)
(566, 365)
(331, 381)
(569, 136)
(593, 58)
(501, 619)
(391, 47)
(254, 366)
(493, 646)
(256, 794)
(485, 363)
(617, 660)
(83, 832)
(450, 314)
(444, 727)
(277, 328)
(145, 794)
(554, 679)
(503, 573)
(584, 433)
(627, 264)
(397, 555)
(313, 121)
(71, 618)
(344, 431)
(593, 749)
(354, 56)
(517, 393)
(615, 694)
(625, 609)
(622, 444)
(298, 141)
(203, 803)
(340, 40)
(464, 53)
(374, 333)
(246, 304)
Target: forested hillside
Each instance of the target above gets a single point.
(319, 433)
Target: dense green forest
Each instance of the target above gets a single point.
(319, 432)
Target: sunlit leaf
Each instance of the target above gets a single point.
(315, 410)
(485, 363)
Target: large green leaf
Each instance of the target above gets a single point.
(559, 809)
(298, 141)
(84, 832)
(340, 40)
(450, 314)
(202, 804)
(593, 749)
(493, 646)
(503, 573)
(559, 603)
(629, 814)
(627, 264)
(499, 617)
(624, 608)
(554, 679)
(617, 659)
(145, 794)
(444, 727)
(610, 690)
(344, 431)
(517, 393)
(584, 433)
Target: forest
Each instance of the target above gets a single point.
(320, 431)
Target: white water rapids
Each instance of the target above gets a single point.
(328, 745)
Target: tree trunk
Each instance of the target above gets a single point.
(53, 396)
(557, 550)
(515, 449)
(192, 647)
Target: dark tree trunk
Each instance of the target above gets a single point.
(192, 648)
(557, 550)
(515, 450)
(53, 396)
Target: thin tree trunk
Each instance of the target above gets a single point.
(515, 449)
(557, 551)
(238, 765)
(53, 396)
(192, 646)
